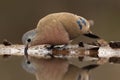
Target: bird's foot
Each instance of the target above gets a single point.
(57, 47)
(49, 47)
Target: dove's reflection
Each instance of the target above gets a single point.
(58, 69)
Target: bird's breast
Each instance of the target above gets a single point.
(56, 35)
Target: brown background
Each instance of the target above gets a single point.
(19, 16)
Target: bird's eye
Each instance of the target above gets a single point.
(29, 40)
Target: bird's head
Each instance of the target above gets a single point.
(28, 37)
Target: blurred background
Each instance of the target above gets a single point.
(19, 16)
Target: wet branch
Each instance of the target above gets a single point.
(111, 52)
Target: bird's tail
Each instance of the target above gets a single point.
(100, 41)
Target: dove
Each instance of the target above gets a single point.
(58, 29)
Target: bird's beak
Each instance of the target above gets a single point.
(26, 53)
